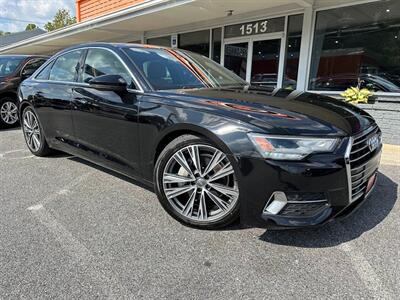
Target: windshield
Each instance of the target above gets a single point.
(8, 64)
(168, 69)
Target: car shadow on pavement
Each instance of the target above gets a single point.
(11, 129)
(369, 215)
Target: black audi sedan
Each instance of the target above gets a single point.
(14, 69)
(214, 147)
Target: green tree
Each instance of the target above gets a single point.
(30, 26)
(61, 19)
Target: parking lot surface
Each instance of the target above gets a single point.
(68, 229)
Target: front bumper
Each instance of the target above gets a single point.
(317, 190)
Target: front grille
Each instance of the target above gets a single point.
(360, 168)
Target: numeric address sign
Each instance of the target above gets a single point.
(257, 27)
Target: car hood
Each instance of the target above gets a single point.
(280, 112)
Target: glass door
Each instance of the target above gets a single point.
(235, 58)
(265, 63)
(256, 59)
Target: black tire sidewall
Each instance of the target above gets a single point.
(165, 155)
(2, 123)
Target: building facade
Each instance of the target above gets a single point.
(323, 46)
(325, 49)
(90, 9)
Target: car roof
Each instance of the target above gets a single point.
(111, 45)
(21, 55)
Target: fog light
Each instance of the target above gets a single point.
(276, 203)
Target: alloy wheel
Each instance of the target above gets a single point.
(32, 131)
(200, 184)
(9, 113)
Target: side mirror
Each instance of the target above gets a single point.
(27, 73)
(114, 83)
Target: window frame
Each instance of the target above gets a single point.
(51, 61)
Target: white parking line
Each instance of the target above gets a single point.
(81, 255)
(66, 189)
(365, 271)
(4, 154)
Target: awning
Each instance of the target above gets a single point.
(153, 16)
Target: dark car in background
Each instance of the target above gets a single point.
(14, 69)
(213, 147)
(373, 82)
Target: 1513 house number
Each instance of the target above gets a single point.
(254, 28)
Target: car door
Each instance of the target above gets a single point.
(105, 121)
(52, 99)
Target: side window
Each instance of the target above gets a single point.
(65, 67)
(44, 74)
(33, 65)
(102, 62)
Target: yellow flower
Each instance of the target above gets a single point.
(356, 95)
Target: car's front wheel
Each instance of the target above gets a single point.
(8, 112)
(33, 133)
(196, 183)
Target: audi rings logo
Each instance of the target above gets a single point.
(373, 142)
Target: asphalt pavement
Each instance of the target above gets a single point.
(69, 230)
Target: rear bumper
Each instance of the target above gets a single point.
(317, 190)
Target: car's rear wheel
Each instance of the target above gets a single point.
(33, 133)
(196, 183)
(8, 112)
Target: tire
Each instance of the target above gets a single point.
(8, 112)
(33, 133)
(181, 188)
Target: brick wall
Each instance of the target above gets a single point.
(89, 9)
(387, 116)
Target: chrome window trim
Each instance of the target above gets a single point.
(78, 84)
(137, 83)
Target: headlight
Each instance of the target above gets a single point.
(290, 148)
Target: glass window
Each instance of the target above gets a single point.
(9, 64)
(294, 31)
(235, 58)
(265, 63)
(34, 64)
(357, 44)
(44, 74)
(216, 44)
(178, 69)
(164, 41)
(65, 67)
(198, 42)
(100, 62)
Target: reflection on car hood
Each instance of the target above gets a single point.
(280, 112)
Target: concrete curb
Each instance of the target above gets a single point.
(391, 155)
